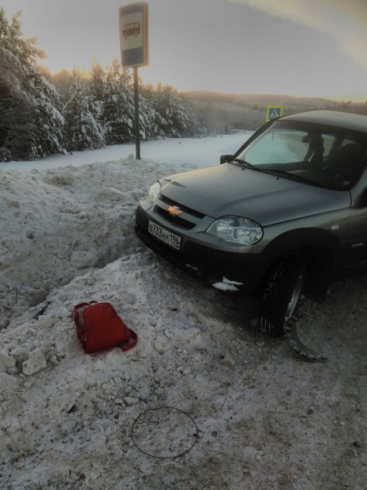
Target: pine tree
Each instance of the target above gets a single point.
(151, 122)
(97, 82)
(119, 112)
(177, 117)
(31, 123)
(16, 126)
(97, 90)
(61, 80)
(82, 130)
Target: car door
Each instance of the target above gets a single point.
(356, 248)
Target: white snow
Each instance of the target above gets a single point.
(188, 152)
(65, 417)
(59, 223)
(62, 220)
(226, 285)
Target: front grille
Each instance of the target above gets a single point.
(191, 217)
(187, 210)
(175, 219)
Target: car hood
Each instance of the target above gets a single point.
(232, 190)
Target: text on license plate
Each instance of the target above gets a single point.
(165, 235)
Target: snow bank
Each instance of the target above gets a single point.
(57, 224)
(57, 402)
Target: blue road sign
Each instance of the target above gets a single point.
(273, 112)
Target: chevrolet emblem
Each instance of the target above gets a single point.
(174, 211)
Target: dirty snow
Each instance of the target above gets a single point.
(260, 418)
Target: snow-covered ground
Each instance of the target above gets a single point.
(195, 152)
(57, 223)
(246, 411)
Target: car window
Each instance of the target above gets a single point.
(329, 142)
(281, 146)
(312, 153)
(348, 141)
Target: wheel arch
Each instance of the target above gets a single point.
(321, 250)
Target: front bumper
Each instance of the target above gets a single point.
(225, 270)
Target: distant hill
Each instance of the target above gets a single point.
(247, 111)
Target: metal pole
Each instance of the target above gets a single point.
(136, 94)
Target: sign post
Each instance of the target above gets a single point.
(273, 112)
(133, 27)
(136, 100)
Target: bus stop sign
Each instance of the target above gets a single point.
(133, 25)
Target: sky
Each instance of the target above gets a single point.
(291, 47)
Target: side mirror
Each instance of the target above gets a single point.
(225, 158)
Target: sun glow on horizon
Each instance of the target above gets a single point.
(304, 48)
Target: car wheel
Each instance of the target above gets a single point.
(281, 294)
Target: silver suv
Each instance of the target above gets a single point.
(286, 214)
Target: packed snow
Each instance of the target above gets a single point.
(243, 412)
(57, 223)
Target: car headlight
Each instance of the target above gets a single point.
(153, 192)
(234, 229)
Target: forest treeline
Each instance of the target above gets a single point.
(43, 114)
(248, 111)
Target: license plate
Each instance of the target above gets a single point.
(164, 235)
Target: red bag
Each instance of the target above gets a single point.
(99, 327)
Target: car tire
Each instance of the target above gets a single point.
(281, 295)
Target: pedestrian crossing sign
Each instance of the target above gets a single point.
(273, 112)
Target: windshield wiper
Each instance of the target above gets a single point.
(245, 164)
(281, 173)
(290, 176)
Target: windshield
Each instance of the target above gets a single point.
(327, 157)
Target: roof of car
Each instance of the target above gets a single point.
(332, 118)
